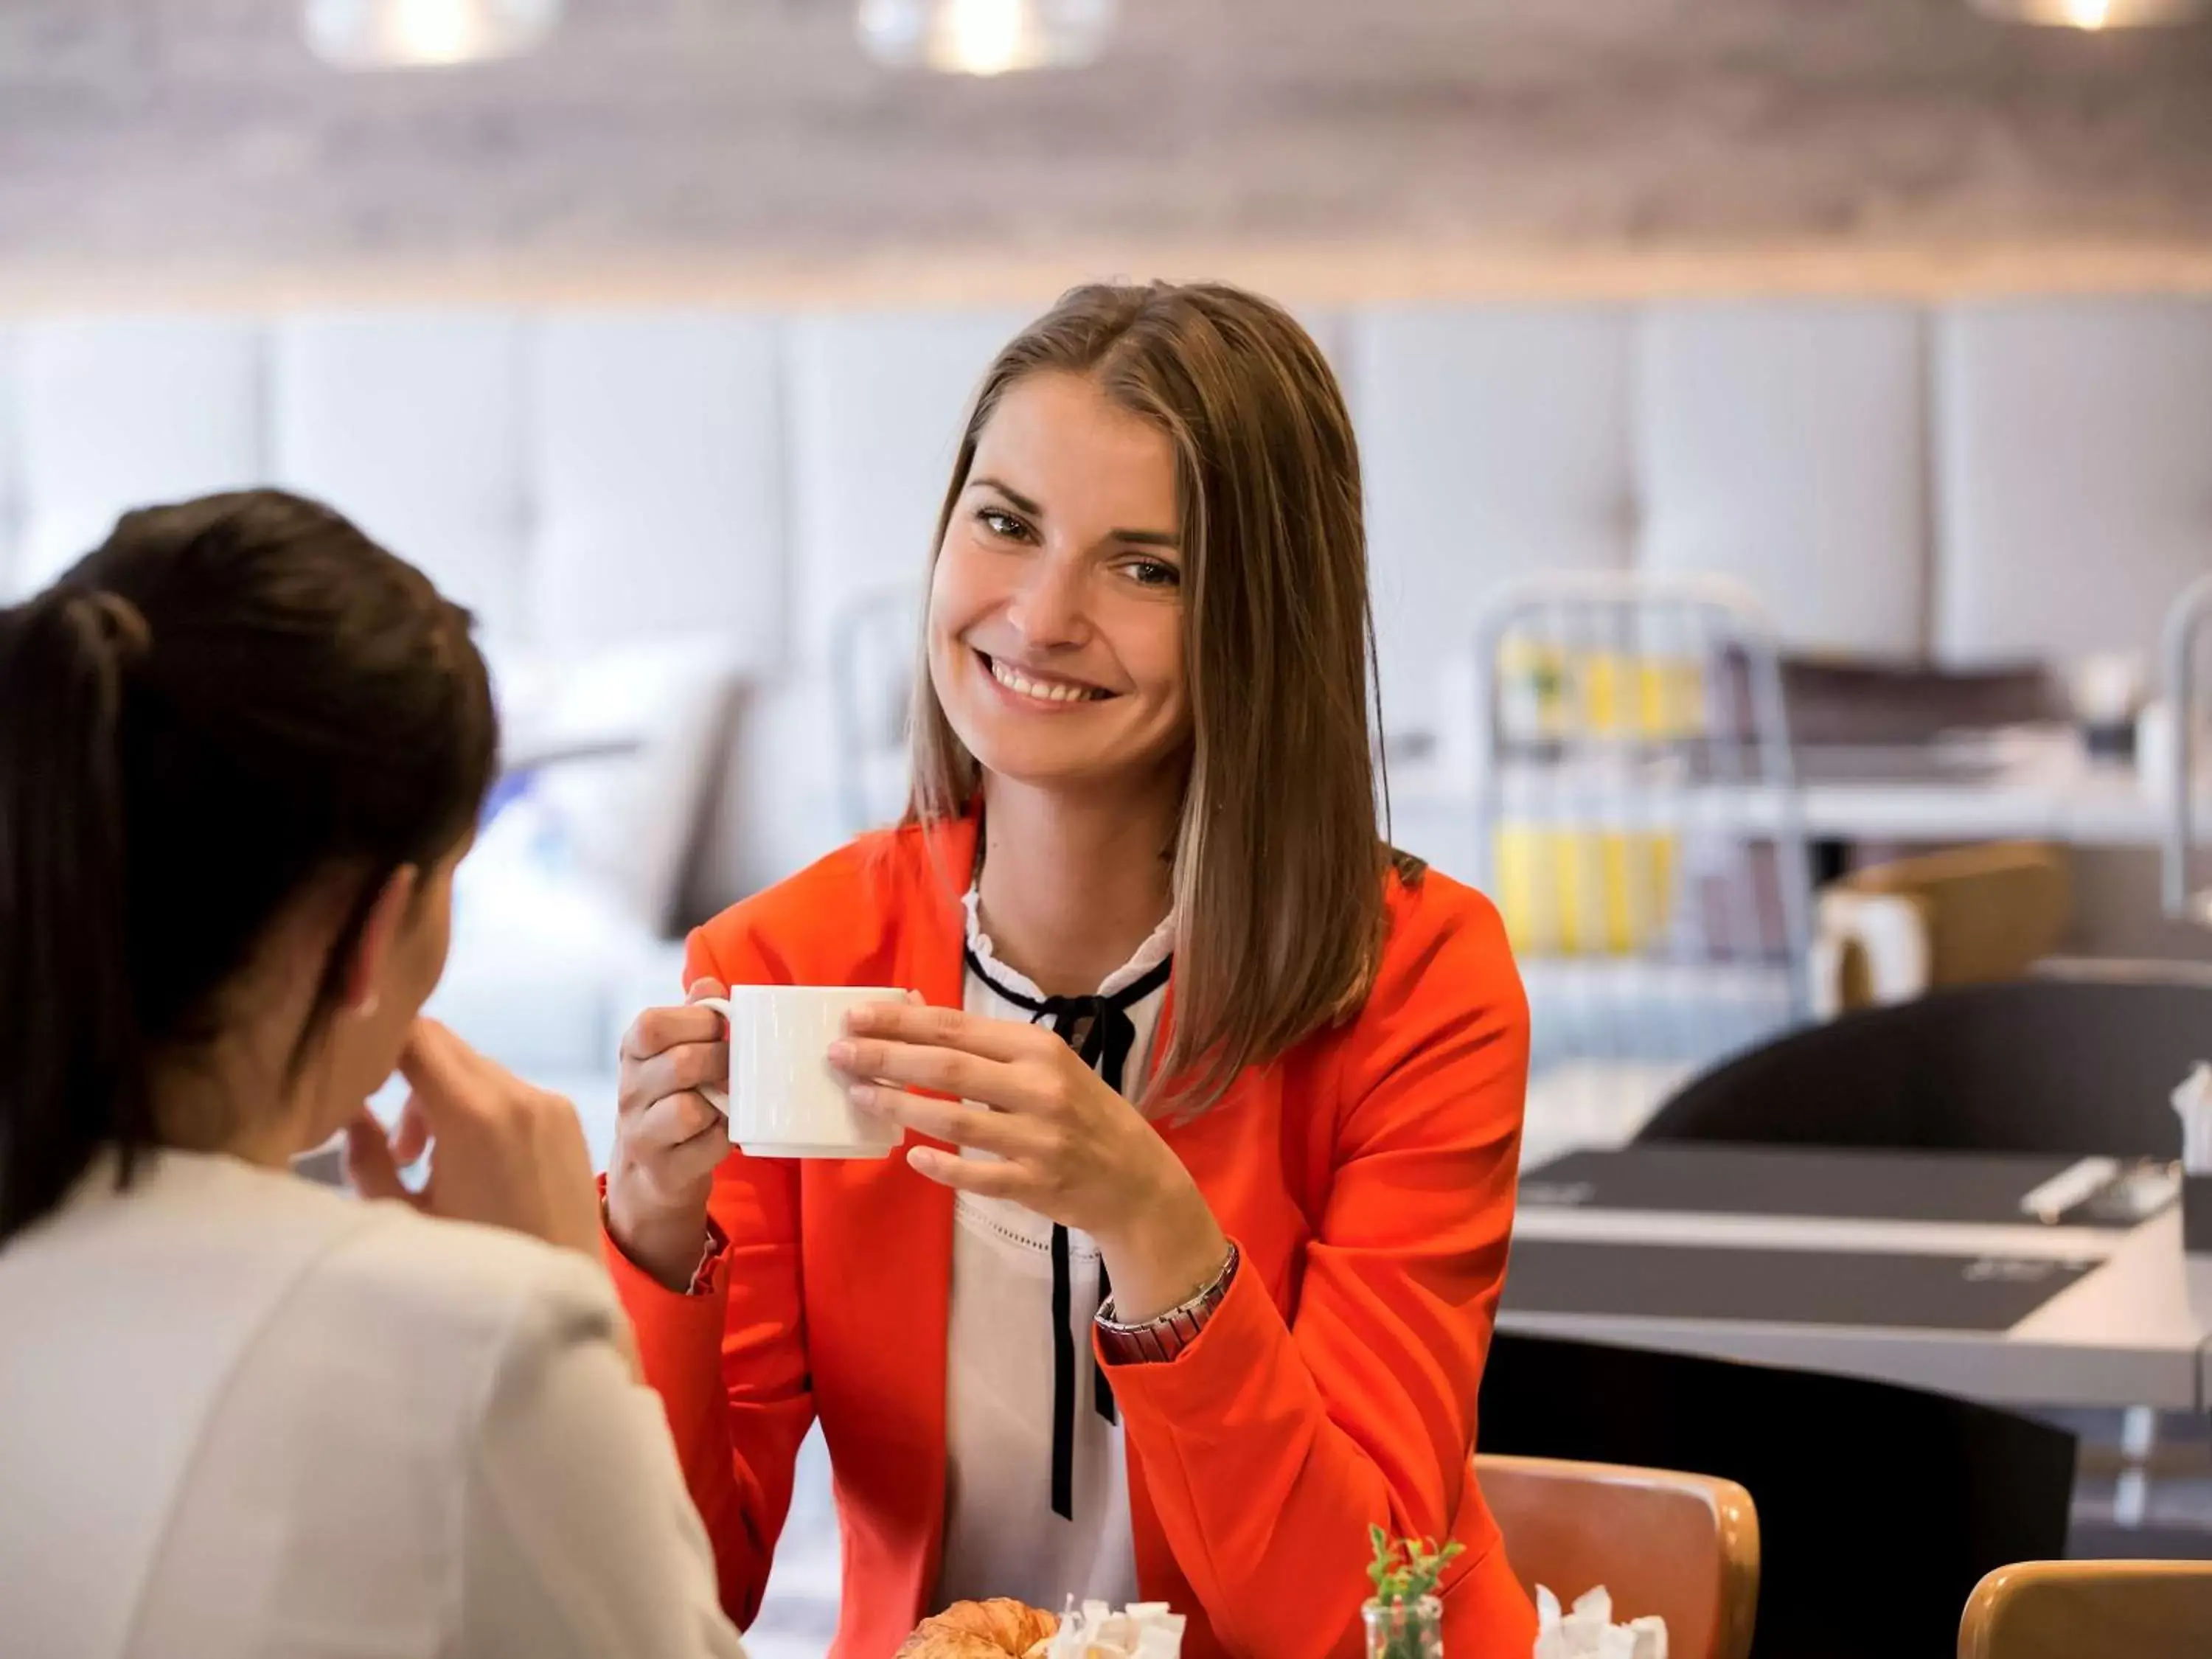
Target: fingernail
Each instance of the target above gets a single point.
(862, 1095)
(840, 1053)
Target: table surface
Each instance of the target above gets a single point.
(2119, 1332)
(2042, 786)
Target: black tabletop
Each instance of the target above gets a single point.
(1785, 1287)
(1822, 1183)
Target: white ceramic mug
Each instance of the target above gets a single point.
(784, 1099)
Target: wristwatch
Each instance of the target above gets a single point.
(1156, 1342)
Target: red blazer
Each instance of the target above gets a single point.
(1368, 1176)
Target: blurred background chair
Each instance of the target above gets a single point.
(2064, 1609)
(873, 641)
(1638, 826)
(1683, 1546)
(2188, 712)
(2028, 1066)
(1878, 1508)
(1963, 916)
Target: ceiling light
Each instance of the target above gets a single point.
(985, 37)
(361, 34)
(2093, 15)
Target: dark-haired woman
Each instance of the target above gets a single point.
(241, 749)
(1187, 1275)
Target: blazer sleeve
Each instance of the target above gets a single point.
(577, 1539)
(729, 1358)
(1269, 1446)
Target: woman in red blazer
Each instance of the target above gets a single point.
(1207, 1079)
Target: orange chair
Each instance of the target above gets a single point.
(2062, 1609)
(1685, 1546)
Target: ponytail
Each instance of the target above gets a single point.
(73, 1062)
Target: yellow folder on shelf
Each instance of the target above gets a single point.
(1549, 691)
(1583, 892)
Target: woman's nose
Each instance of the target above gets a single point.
(1048, 609)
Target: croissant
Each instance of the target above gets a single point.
(996, 1629)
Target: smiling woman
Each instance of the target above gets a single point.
(1236, 653)
(1200, 1078)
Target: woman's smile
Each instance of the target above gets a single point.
(1037, 691)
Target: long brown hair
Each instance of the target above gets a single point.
(1278, 861)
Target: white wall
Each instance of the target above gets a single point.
(1983, 480)
(1494, 442)
(412, 423)
(112, 411)
(2075, 439)
(1783, 445)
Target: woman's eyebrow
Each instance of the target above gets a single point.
(1166, 538)
(1032, 509)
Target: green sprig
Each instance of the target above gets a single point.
(1404, 1573)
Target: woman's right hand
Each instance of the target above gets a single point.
(503, 1151)
(668, 1140)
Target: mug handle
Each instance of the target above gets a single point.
(717, 1099)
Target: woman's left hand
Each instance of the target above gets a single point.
(1064, 1144)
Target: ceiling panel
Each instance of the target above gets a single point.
(201, 134)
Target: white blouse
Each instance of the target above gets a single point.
(244, 1415)
(1001, 1535)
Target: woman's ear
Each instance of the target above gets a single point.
(379, 931)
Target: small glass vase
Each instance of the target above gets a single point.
(1404, 1629)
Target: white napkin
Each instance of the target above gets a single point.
(1142, 1629)
(1587, 1630)
(2193, 1101)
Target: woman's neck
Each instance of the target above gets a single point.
(216, 1100)
(1071, 886)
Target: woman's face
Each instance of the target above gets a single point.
(1056, 607)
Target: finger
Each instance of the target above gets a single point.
(676, 1120)
(437, 1067)
(973, 1175)
(369, 1162)
(676, 1163)
(950, 1121)
(944, 1071)
(657, 1031)
(411, 1136)
(947, 1028)
(675, 1071)
(705, 988)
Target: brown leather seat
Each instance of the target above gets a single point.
(2062, 1609)
(1685, 1546)
(1977, 914)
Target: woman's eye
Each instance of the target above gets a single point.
(999, 522)
(1154, 573)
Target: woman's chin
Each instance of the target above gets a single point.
(1077, 774)
(1031, 770)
